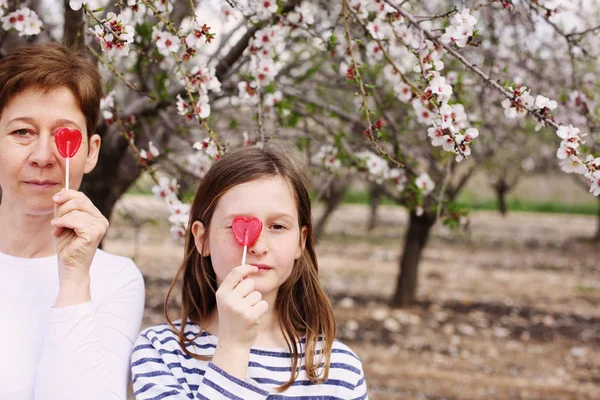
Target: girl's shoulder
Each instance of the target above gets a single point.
(342, 358)
(342, 353)
(165, 336)
(160, 331)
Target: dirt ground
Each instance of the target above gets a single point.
(508, 310)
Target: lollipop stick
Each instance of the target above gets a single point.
(245, 247)
(67, 177)
(244, 255)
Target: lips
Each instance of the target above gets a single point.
(262, 266)
(42, 183)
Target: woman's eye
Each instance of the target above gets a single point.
(277, 226)
(21, 132)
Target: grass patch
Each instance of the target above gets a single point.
(339, 238)
(468, 202)
(587, 289)
(362, 197)
(529, 206)
(549, 267)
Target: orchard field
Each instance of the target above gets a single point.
(508, 310)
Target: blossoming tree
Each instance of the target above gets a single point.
(388, 90)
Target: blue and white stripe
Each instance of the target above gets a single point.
(161, 370)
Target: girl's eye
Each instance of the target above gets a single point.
(277, 227)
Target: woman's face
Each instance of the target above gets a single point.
(280, 243)
(32, 169)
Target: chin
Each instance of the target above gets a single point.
(38, 209)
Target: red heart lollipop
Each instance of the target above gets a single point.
(246, 230)
(68, 141)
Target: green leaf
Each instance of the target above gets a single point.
(144, 30)
(302, 143)
(270, 88)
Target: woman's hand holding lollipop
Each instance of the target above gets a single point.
(78, 228)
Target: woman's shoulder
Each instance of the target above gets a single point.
(112, 261)
(109, 265)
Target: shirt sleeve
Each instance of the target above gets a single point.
(360, 390)
(87, 348)
(153, 379)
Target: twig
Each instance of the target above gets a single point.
(444, 15)
(323, 188)
(261, 130)
(481, 74)
(133, 147)
(118, 73)
(363, 93)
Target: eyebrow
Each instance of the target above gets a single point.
(58, 123)
(271, 216)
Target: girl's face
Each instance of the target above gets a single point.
(280, 243)
(32, 169)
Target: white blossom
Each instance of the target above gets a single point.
(424, 183)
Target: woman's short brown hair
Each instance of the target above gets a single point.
(51, 66)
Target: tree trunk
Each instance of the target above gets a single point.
(74, 27)
(375, 194)
(417, 234)
(501, 188)
(333, 198)
(116, 170)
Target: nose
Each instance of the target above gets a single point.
(259, 247)
(43, 153)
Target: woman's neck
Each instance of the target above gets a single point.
(27, 236)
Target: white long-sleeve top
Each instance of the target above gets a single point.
(162, 370)
(80, 352)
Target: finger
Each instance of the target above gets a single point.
(56, 231)
(236, 275)
(65, 195)
(253, 298)
(258, 310)
(85, 226)
(72, 200)
(243, 289)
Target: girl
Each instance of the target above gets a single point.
(70, 312)
(263, 330)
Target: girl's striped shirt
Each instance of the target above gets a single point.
(161, 370)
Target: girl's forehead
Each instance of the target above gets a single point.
(270, 194)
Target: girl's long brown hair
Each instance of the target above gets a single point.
(302, 305)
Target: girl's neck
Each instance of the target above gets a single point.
(26, 236)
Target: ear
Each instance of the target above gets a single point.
(93, 152)
(302, 244)
(198, 231)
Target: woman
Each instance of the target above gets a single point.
(70, 312)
